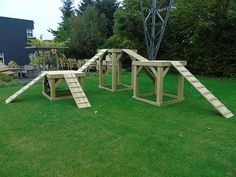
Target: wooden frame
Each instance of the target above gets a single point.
(53, 79)
(160, 69)
(115, 55)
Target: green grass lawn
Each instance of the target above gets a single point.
(118, 136)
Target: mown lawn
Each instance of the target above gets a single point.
(118, 136)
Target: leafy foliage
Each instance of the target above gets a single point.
(62, 34)
(107, 7)
(88, 33)
(6, 78)
(83, 6)
(128, 31)
(67, 9)
(202, 32)
(37, 42)
(45, 56)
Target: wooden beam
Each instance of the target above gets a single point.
(165, 72)
(52, 88)
(135, 86)
(159, 86)
(119, 77)
(114, 61)
(100, 70)
(180, 86)
(139, 69)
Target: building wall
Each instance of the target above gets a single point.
(13, 39)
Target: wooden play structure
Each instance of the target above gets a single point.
(50, 81)
(156, 70)
(160, 69)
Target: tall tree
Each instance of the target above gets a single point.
(83, 6)
(67, 8)
(203, 32)
(88, 33)
(108, 7)
(62, 34)
(128, 29)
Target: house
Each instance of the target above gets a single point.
(14, 34)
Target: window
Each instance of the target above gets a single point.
(29, 33)
(2, 58)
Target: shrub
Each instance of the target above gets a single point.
(6, 78)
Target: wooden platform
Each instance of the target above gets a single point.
(159, 69)
(162, 67)
(51, 79)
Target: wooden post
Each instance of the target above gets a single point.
(181, 86)
(52, 88)
(132, 76)
(44, 85)
(159, 85)
(135, 80)
(119, 72)
(114, 61)
(100, 70)
(81, 81)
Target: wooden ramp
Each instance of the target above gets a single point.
(133, 54)
(202, 89)
(76, 90)
(23, 89)
(92, 60)
(151, 72)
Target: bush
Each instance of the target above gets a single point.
(6, 78)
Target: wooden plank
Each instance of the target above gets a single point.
(23, 89)
(119, 75)
(135, 82)
(101, 53)
(100, 70)
(159, 86)
(180, 86)
(164, 63)
(114, 61)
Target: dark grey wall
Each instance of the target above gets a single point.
(13, 39)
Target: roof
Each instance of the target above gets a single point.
(11, 18)
(46, 47)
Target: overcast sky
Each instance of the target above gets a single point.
(44, 13)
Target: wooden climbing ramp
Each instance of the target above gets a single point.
(202, 89)
(101, 53)
(133, 54)
(23, 89)
(76, 90)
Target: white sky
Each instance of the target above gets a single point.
(44, 13)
